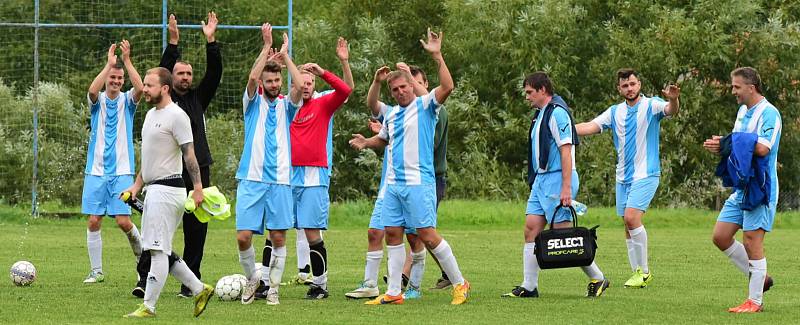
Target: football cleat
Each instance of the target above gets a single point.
(460, 293)
(749, 306)
(141, 312)
(768, 283)
(185, 292)
(316, 292)
(272, 297)
(249, 293)
(95, 277)
(261, 292)
(386, 300)
(364, 290)
(442, 283)
(597, 287)
(639, 279)
(520, 292)
(412, 293)
(201, 299)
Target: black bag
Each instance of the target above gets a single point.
(566, 247)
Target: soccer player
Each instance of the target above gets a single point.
(166, 136)
(375, 234)
(635, 123)
(110, 162)
(756, 115)
(310, 166)
(264, 194)
(552, 142)
(410, 197)
(193, 101)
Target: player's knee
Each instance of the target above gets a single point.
(722, 241)
(278, 239)
(124, 223)
(244, 239)
(94, 223)
(374, 236)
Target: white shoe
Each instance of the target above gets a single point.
(364, 290)
(249, 293)
(272, 297)
(95, 277)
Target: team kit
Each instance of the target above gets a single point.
(285, 169)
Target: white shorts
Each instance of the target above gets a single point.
(163, 212)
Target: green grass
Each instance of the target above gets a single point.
(693, 282)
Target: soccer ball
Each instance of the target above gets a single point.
(23, 273)
(230, 287)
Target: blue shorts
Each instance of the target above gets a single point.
(260, 205)
(375, 219)
(636, 194)
(545, 196)
(761, 217)
(410, 206)
(311, 207)
(101, 195)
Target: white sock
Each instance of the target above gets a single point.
(758, 271)
(135, 240)
(95, 244)
(631, 253)
(156, 278)
(265, 269)
(277, 265)
(738, 256)
(417, 268)
(247, 258)
(593, 271)
(397, 256)
(182, 272)
(639, 237)
(530, 267)
(303, 252)
(447, 260)
(371, 269)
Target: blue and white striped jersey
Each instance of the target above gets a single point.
(111, 139)
(560, 127)
(266, 156)
(764, 120)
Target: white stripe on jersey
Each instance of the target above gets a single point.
(255, 170)
(411, 145)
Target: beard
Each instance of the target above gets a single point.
(153, 99)
(272, 93)
(182, 86)
(634, 97)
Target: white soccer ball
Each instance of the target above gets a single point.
(229, 288)
(23, 273)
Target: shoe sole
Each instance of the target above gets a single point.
(207, 298)
(360, 296)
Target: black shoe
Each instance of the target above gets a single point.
(316, 292)
(185, 292)
(596, 288)
(768, 283)
(261, 291)
(138, 291)
(405, 280)
(520, 292)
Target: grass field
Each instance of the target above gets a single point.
(693, 282)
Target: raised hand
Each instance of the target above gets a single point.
(112, 55)
(358, 142)
(671, 91)
(434, 44)
(210, 28)
(374, 126)
(172, 28)
(266, 34)
(342, 51)
(314, 68)
(402, 66)
(126, 50)
(382, 73)
(285, 45)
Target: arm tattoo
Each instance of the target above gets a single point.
(190, 161)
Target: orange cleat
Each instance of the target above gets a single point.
(386, 300)
(749, 306)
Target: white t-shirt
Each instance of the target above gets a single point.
(163, 132)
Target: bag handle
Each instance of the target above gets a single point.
(571, 209)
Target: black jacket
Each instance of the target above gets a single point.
(195, 102)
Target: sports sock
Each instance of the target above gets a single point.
(95, 244)
(417, 269)
(276, 266)
(266, 255)
(639, 237)
(593, 271)
(530, 268)
(303, 257)
(371, 269)
(446, 258)
(247, 260)
(181, 271)
(135, 240)
(319, 263)
(631, 253)
(738, 256)
(397, 256)
(758, 271)
(159, 267)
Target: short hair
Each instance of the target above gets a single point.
(118, 64)
(539, 80)
(182, 62)
(750, 76)
(164, 76)
(415, 71)
(625, 73)
(272, 66)
(396, 75)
